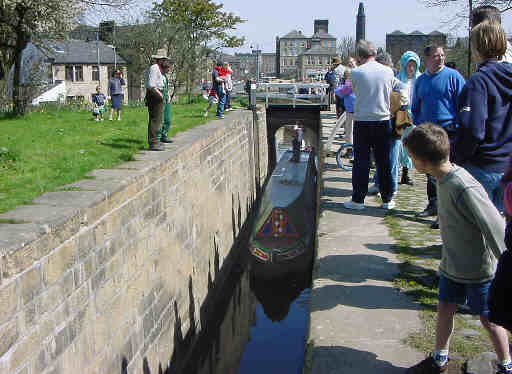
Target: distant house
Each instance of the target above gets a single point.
(76, 66)
(290, 48)
(399, 42)
(315, 61)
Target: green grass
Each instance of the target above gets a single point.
(55, 147)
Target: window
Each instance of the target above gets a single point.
(95, 73)
(79, 73)
(74, 73)
(69, 73)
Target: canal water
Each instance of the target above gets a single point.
(278, 336)
(256, 322)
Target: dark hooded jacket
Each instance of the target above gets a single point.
(484, 136)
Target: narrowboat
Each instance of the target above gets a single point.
(285, 225)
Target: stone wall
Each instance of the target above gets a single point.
(113, 274)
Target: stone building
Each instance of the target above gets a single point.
(314, 62)
(268, 64)
(291, 46)
(398, 42)
(288, 47)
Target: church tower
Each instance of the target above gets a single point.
(361, 23)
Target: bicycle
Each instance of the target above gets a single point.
(344, 156)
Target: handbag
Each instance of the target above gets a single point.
(402, 121)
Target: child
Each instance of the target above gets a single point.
(98, 101)
(227, 72)
(346, 93)
(472, 231)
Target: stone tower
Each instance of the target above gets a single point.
(361, 23)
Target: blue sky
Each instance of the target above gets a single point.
(267, 19)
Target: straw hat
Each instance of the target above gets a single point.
(160, 55)
(336, 60)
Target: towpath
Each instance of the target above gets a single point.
(358, 318)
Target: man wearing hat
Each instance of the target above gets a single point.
(154, 83)
(339, 71)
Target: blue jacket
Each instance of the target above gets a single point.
(435, 97)
(485, 118)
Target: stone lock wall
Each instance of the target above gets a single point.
(110, 275)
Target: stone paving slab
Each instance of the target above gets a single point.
(358, 318)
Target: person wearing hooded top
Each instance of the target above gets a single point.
(409, 71)
(484, 137)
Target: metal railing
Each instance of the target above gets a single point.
(290, 93)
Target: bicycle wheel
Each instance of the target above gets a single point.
(343, 156)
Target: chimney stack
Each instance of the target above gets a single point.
(361, 23)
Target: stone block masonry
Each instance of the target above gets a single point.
(107, 275)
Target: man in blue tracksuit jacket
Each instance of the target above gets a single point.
(435, 99)
(485, 113)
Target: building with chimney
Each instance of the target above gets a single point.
(310, 53)
(360, 23)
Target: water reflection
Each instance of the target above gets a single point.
(260, 326)
(278, 338)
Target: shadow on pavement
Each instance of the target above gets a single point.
(355, 268)
(336, 359)
(338, 179)
(328, 204)
(336, 192)
(403, 215)
(365, 297)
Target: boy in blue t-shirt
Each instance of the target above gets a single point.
(98, 101)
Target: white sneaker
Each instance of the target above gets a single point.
(373, 190)
(205, 114)
(96, 119)
(389, 205)
(119, 118)
(101, 119)
(110, 119)
(353, 205)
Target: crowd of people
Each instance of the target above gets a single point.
(459, 133)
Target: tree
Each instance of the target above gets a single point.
(194, 27)
(346, 48)
(24, 21)
(460, 14)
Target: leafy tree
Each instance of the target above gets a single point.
(194, 27)
(459, 55)
(24, 21)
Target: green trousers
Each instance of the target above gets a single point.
(166, 124)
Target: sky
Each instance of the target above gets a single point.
(267, 19)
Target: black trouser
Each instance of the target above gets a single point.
(155, 105)
(431, 181)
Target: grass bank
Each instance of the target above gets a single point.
(58, 146)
